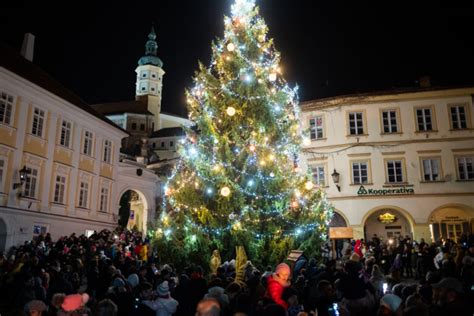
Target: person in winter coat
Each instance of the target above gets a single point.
(164, 304)
(277, 282)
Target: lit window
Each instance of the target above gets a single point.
(6, 107)
(38, 122)
(59, 189)
(316, 127)
(356, 123)
(465, 168)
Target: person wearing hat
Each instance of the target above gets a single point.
(277, 282)
(164, 304)
(448, 300)
(35, 308)
(390, 304)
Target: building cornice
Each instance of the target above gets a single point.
(378, 97)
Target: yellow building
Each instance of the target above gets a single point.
(404, 160)
(59, 158)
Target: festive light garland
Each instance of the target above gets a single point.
(229, 157)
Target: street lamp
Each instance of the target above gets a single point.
(335, 179)
(23, 175)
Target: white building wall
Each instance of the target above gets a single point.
(337, 150)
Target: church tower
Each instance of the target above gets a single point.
(150, 79)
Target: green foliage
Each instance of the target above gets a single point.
(245, 142)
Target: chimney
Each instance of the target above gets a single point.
(425, 82)
(28, 47)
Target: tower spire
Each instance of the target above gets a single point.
(151, 45)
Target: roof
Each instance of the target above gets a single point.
(384, 95)
(173, 114)
(167, 132)
(11, 60)
(133, 106)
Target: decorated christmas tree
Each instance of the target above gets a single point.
(238, 181)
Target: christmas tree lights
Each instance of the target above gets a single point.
(238, 181)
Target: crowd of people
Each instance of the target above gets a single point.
(117, 273)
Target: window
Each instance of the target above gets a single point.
(389, 121)
(31, 182)
(431, 169)
(318, 175)
(65, 134)
(424, 119)
(142, 127)
(38, 122)
(356, 123)
(83, 193)
(134, 126)
(458, 116)
(2, 172)
(153, 145)
(59, 189)
(360, 173)
(171, 143)
(107, 151)
(394, 171)
(465, 169)
(316, 127)
(6, 107)
(88, 138)
(104, 197)
(162, 144)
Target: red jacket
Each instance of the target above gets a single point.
(275, 290)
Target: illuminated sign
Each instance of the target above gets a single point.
(387, 218)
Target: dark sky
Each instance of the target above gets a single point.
(327, 47)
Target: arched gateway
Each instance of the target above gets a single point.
(387, 223)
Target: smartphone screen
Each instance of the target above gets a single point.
(384, 288)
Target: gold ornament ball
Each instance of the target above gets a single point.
(230, 47)
(272, 76)
(230, 111)
(225, 191)
(308, 185)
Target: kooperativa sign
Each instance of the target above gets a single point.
(392, 191)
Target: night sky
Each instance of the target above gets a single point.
(328, 47)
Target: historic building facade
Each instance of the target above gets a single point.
(153, 133)
(403, 161)
(59, 159)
